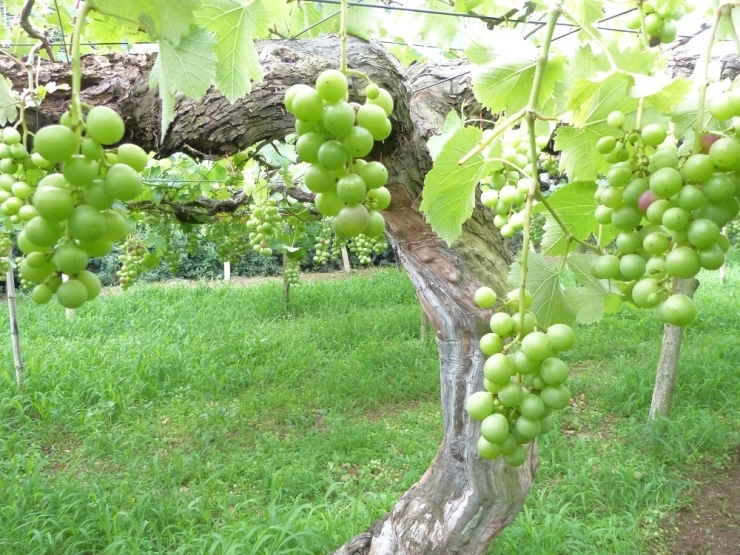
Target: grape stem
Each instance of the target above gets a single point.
(703, 77)
(343, 36)
(76, 68)
(530, 117)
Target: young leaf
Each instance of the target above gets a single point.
(543, 280)
(449, 188)
(164, 19)
(187, 67)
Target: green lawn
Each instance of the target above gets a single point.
(213, 419)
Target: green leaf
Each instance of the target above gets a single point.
(549, 304)
(9, 101)
(574, 204)
(453, 122)
(504, 83)
(362, 22)
(304, 16)
(236, 24)
(588, 299)
(164, 19)
(439, 30)
(187, 67)
(175, 18)
(449, 188)
(579, 158)
(671, 96)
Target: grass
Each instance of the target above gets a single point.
(202, 419)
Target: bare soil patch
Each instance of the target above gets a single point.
(711, 524)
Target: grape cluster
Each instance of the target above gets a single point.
(172, 258)
(262, 225)
(131, 258)
(661, 28)
(362, 247)
(536, 229)
(292, 270)
(5, 245)
(731, 229)
(68, 212)
(670, 210)
(524, 379)
(192, 244)
(336, 247)
(230, 240)
(333, 137)
(506, 190)
(322, 243)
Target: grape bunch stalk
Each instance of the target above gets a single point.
(333, 137)
(670, 209)
(524, 378)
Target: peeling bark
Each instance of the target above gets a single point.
(462, 502)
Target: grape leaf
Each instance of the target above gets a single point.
(579, 158)
(504, 82)
(187, 67)
(439, 30)
(684, 116)
(310, 16)
(362, 22)
(164, 19)
(588, 298)
(449, 188)
(549, 303)
(574, 203)
(236, 24)
(9, 101)
(453, 122)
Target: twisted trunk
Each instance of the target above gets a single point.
(462, 502)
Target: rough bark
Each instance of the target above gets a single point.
(670, 350)
(462, 502)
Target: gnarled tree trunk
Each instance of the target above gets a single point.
(462, 502)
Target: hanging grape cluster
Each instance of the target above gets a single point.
(322, 243)
(230, 239)
(670, 209)
(292, 270)
(536, 229)
(362, 247)
(68, 210)
(334, 136)
(262, 225)
(5, 245)
(506, 190)
(524, 378)
(131, 258)
(732, 230)
(661, 26)
(192, 244)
